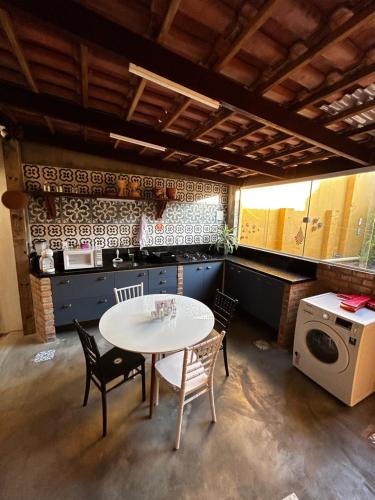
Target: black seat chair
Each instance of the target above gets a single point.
(102, 369)
(224, 309)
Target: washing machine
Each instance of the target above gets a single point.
(336, 348)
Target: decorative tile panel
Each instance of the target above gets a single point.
(191, 219)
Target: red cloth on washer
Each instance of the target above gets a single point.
(355, 302)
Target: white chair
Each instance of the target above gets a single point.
(128, 292)
(191, 373)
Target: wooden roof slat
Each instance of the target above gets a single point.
(106, 150)
(7, 25)
(253, 25)
(324, 91)
(348, 112)
(84, 25)
(345, 30)
(168, 19)
(213, 122)
(242, 133)
(84, 75)
(287, 151)
(171, 117)
(66, 111)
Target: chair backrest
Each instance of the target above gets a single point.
(90, 350)
(128, 292)
(223, 309)
(200, 359)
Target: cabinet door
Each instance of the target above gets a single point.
(193, 281)
(268, 299)
(211, 279)
(82, 285)
(129, 278)
(83, 309)
(235, 283)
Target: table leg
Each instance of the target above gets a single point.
(152, 385)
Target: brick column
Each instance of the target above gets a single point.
(43, 308)
(293, 293)
(180, 280)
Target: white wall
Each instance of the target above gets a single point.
(10, 310)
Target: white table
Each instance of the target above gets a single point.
(128, 325)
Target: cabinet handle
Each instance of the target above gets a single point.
(209, 267)
(141, 274)
(66, 306)
(162, 282)
(101, 278)
(102, 301)
(65, 282)
(199, 268)
(163, 271)
(239, 272)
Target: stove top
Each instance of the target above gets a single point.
(196, 256)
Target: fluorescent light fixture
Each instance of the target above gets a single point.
(136, 141)
(168, 84)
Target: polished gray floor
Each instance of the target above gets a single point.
(277, 432)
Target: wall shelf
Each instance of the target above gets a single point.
(50, 199)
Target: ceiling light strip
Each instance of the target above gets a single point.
(175, 87)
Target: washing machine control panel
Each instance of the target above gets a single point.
(343, 323)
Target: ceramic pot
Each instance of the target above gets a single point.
(121, 187)
(159, 192)
(134, 189)
(172, 193)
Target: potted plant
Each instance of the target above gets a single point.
(227, 240)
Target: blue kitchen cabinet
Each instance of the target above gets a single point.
(162, 280)
(258, 294)
(130, 278)
(201, 280)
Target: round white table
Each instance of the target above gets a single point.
(128, 325)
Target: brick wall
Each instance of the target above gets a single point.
(43, 308)
(180, 280)
(339, 279)
(291, 299)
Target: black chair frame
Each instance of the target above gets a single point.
(132, 365)
(224, 308)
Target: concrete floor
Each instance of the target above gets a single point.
(277, 432)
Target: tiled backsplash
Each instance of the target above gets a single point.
(191, 219)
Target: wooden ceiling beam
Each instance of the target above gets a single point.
(8, 28)
(242, 133)
(348, 112)
(168, 19)
(106, 150)
(364, 16)
(324, 91)
(214, 121)
(70, 112)
(358, 131)
(276, 139)
(85, 26)
(252, 26)
(287, 151)
(182, 105)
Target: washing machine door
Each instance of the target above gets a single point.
(325, 346)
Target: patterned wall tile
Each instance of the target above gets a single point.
(107, 223)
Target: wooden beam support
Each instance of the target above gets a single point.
(67, 111)
(168, 19)
(8, 28)
(253, 25)
(213, 122)
(85, 26)
(106, 150)
(348, 112)
(287, 151)
(276, 139)
(242, 133)
(364, 16)
(324, 91)
(136, 97)
(84, 75)
(171, 117)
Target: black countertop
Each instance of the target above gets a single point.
(266, 269)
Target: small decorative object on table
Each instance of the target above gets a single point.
(164, 308)
(121, 187)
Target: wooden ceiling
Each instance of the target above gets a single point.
(275, 66)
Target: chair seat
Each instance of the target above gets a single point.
(170, 368)
(117, 362)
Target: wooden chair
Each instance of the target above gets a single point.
(224, 308)
(103, 369)
(128, 292)
(191, 373)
